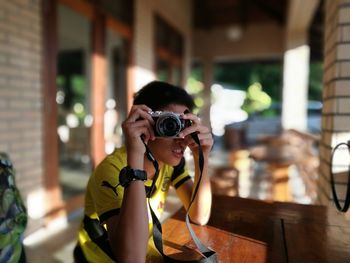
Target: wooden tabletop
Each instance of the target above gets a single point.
(246, 230)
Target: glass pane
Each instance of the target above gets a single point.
(163, 70)
(116, 103)
(169, 45)
(177, 75)
(74, 119)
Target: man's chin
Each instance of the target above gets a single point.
(177, 162)
(173, 162)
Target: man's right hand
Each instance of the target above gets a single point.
(138, 123)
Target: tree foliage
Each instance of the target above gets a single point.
(241, 75)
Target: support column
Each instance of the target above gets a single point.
(295, 82)
(98, 89)
(51, 197)
(208, 82)
(296, 64)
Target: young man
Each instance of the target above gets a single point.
(117, 221)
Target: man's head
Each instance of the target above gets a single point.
(161, 96)
(157, 95)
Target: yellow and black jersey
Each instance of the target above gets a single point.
(104, 197)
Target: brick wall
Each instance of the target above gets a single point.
(21, 90)
(336, 93)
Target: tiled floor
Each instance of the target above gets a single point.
(55, 244)
(52, 245)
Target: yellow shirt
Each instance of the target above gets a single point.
(104, 197)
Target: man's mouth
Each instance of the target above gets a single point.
(178, 152)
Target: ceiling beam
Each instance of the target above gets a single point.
(270, 10)
(201, 14)
(300, 14)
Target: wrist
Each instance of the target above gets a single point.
(195, 155)
(135, 161)
(135, 158)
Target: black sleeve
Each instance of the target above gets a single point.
(178, 171)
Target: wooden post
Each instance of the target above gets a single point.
(98, 92)
(50, 145)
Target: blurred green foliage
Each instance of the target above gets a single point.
(241, 75)
(195, 87)
(256, 99)
(316, 81)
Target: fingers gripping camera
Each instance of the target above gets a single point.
(168, 124)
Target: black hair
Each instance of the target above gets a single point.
(158, 94)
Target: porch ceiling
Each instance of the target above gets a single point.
(220, 13)
(212, 13)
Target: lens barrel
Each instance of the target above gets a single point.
(168, 124)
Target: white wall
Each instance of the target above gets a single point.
(256, 41)
(178, 14)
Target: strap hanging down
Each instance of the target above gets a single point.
(334, 192)
(209, 255)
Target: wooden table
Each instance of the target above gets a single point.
(246, 230)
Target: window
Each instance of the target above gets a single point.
(169, 45)
(73, 89)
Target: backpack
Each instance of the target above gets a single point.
(13, 215)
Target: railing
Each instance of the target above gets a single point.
(295, 154)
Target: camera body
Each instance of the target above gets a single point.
(168, 124)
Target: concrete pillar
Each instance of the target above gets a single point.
(295, 83)
(296, 64)
(208, 82)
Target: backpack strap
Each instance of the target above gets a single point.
(98, 235)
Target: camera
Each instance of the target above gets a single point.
(168, 124)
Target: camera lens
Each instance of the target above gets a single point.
(168, 125)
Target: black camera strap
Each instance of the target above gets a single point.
(334, 192)
(209, 256)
